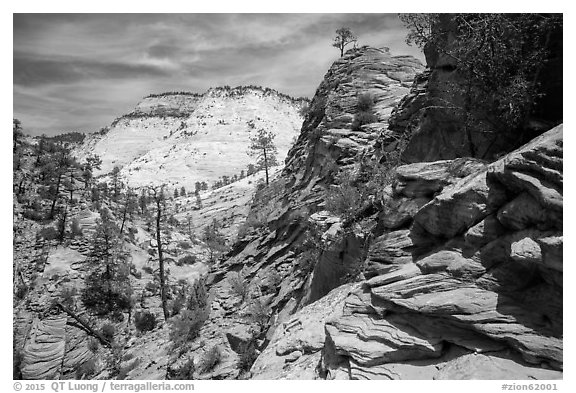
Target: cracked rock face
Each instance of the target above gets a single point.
(485, 300)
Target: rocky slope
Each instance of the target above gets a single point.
(469, 288)
(443, 269)
(182, 138)
(452, 270)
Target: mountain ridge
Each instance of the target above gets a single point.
(180, 138)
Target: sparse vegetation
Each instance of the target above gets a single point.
(186, 260)
(21, 291)
(258, 313)
(186, 371)
(210, 359)
(93, 344)
(123, 372)
(214, 240)
(185, 326)
(238, 285)
(86, 370)
(364, 114)
(499, 58)
(67, 295)
(108, 331)
(48, 233)
(144, 321)
(343, 199)
(76, 229)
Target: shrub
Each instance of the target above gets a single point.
(210, 359)
(48, 233)
(33, 215)
(362, 118)
(274, 281)
(184, 245)
(303, 111)
(177, 305)
(93, 344)
(87, 369)
(144, 321)
(152, 286)
(123, 373)
(238, 285)
(67, 296)
(378, 177)
(365, 102)
(186, 326)
(76, 229)
(186, 260)
(258, 313)
(343, 200)
(187, 370)
(114, 359)
(108, 331)
(21, 291)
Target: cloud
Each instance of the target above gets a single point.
(80, 71)
(30, 71)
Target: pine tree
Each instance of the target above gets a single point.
(263, 148)
(116, 182)
(157, 194)
(343, 38)
(214, 239)
(107, 287)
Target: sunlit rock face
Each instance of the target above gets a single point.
(471, 288)
(180, 139)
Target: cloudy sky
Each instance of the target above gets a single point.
(77, 72)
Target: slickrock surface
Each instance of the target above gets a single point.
(485, 301)
(44, 349)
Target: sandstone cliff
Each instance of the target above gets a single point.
(452, 271)
(182, 138)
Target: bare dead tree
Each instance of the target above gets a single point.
(157, 194)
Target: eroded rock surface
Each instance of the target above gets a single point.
(484, 301)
